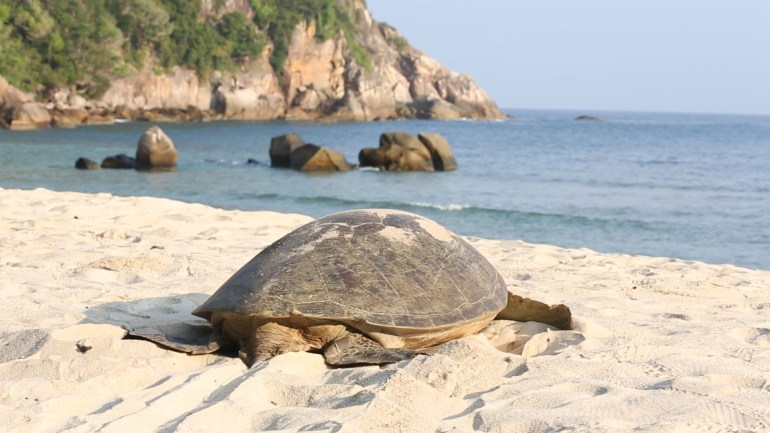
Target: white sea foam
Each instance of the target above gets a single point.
(445, 207)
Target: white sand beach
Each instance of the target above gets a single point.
(660, 344)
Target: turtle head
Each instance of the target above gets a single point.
(269, 340)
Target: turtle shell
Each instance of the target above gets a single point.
(373, 268)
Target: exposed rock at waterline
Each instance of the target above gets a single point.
(441, 153)
(120, 161)
(86, 164)
(29, 115)
(398, 151)
(155, 150)
(311, 157)
(281, 148)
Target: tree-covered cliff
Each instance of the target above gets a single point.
(88, 43)
(246, 59)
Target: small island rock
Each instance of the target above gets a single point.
(587, 118)
(155, 150)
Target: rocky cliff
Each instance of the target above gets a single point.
(374, 75)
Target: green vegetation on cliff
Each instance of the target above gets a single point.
(279, 17)
(49, 44)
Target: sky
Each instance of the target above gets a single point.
(696, 56)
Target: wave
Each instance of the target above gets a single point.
(452, 207)
(469, 214)
(385, 204)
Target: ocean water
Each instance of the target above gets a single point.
(691, 186)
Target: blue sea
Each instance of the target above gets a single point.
(690, 186)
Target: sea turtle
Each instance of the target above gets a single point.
(368, 286)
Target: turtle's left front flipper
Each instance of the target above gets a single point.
(195, 339)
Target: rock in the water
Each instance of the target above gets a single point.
(311, 157)
(398, 151)
(281, 148)
(119, 161)
(86, 164)
(440, 152)
(586, 118)
(155, 151)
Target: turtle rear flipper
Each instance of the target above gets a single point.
(357, 349)
(528, 310)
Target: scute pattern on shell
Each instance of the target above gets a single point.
(384, 268)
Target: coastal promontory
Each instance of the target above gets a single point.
(223, 59)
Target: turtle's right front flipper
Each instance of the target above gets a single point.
(528, 310)
(357, 349)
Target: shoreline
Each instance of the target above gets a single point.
(660, 344)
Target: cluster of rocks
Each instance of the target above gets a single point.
(398, 151)
(290, 151)
(155, 151)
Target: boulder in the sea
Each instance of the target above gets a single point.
(119, 161)
(30, 115)
(155, 151)
(281, 148)
(440, 152)
(311, 157)
(398, 151)
(86, 164)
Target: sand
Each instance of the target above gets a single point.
(660, 344)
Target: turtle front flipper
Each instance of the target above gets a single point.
(528, 310)
(196, 339)
(357, 349)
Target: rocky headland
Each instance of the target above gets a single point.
(369, 73)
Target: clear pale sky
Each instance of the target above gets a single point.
(699, 56)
